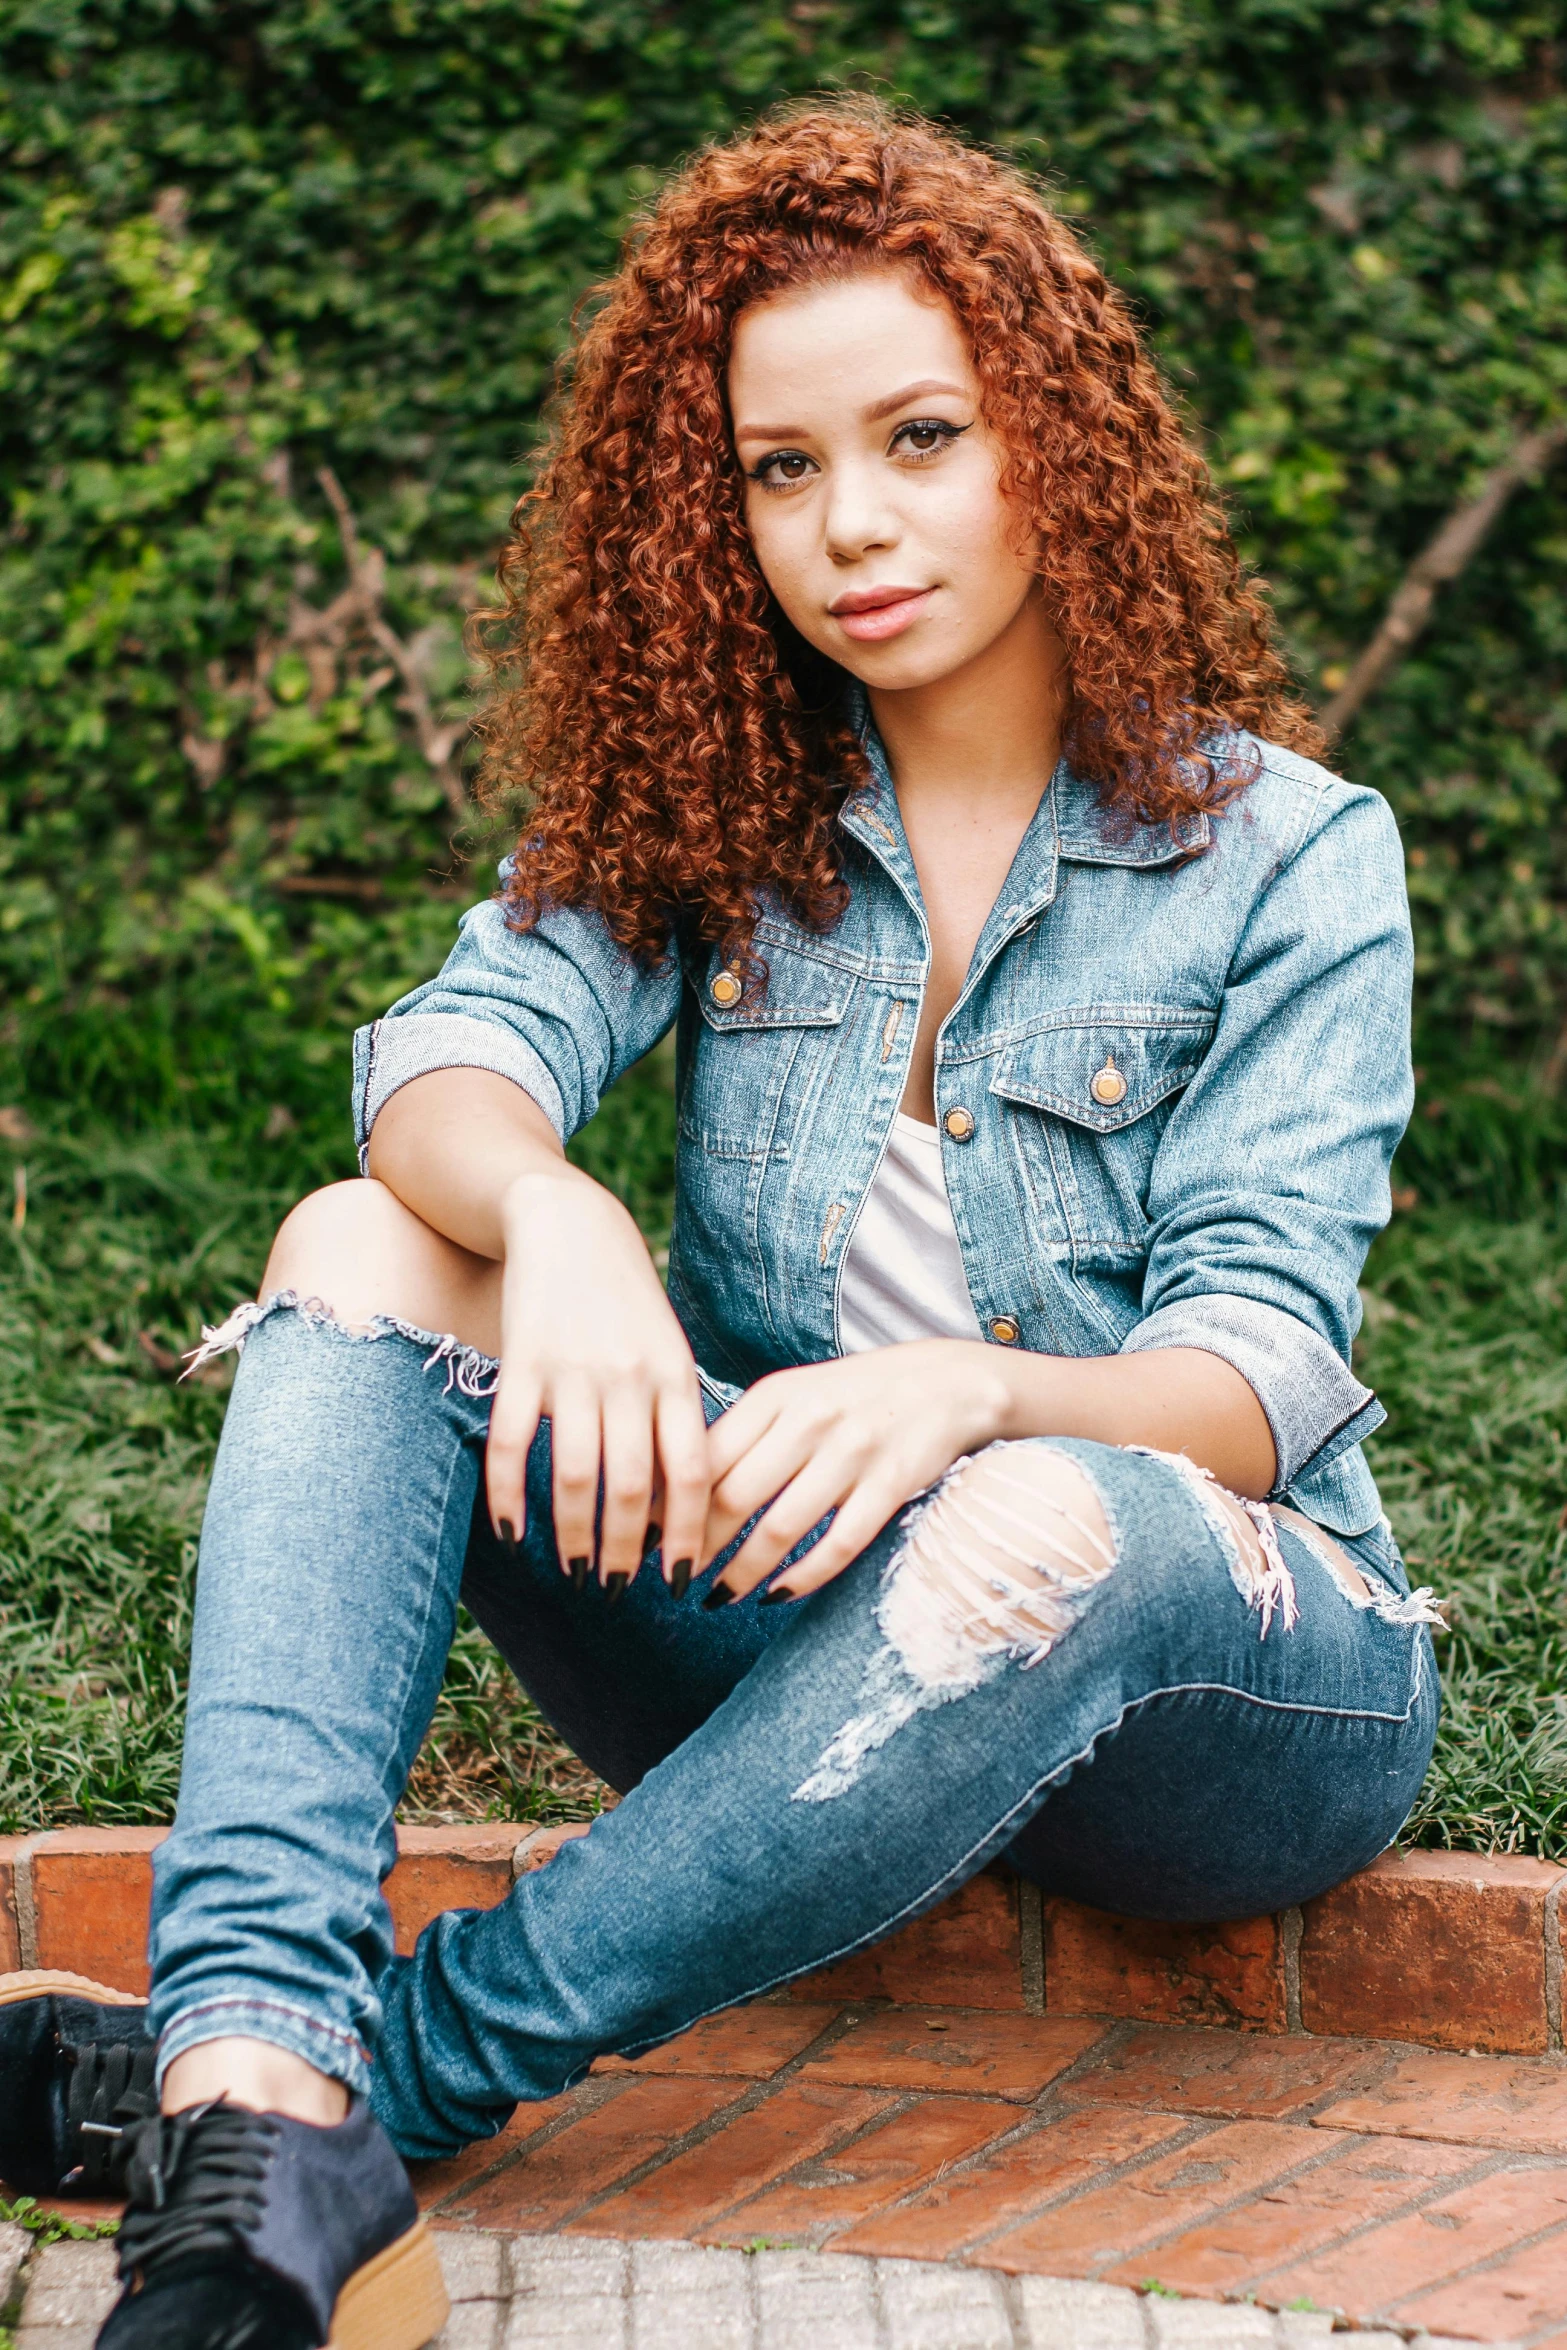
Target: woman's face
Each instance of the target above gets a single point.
(872, 481)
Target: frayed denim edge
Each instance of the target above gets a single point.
(468, 1368)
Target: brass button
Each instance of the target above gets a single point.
(1107, 1085)
(959, 1124)
(1005, 1331)
(726, 989)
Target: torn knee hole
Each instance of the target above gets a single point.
(1327, 1553)
(1001, 1561)
(1247, 1537)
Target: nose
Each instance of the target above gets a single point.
(859, 519)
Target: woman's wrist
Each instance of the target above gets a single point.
(1030, 1402)
(535, 1190)
(988, 1392)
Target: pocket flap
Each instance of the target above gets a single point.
(1106, 1066)
(799, 992)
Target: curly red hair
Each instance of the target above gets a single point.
(681, 750)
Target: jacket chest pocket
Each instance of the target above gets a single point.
(750, 1073)
(1090, 1097)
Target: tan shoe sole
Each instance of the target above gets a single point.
(396, 2301)
(43, 1980)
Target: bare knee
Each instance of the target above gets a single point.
(356, 1248)
(1003, 1561)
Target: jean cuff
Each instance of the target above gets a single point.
(341, 2055)
(391, 1053)
(1315, 1405)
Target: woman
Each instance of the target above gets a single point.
(899, 728)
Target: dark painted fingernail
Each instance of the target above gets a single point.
(775, 1595)
(680, 1577)
(579, 1573)
(615, 1584)
(507, 1532)
(719, 1596)
(653, 1537)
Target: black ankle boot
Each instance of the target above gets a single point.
(249, 2231)
(75, 2072)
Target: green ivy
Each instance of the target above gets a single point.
(240, 243)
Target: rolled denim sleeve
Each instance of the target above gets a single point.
(558, 1009)
(1271, 1179)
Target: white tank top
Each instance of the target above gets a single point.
(903, 1276)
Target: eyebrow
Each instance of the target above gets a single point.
(927, 389)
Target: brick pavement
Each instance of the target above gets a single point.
(589, 2293)
(1406, 2188)
(1009, 2158)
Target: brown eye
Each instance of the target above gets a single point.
(926, 436)
(781, 469)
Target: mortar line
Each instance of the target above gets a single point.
(1194, 2128)
(755, 2093)
(26, 1908)
(1553, 1966)
(588, 2097)
(1292, 1927)
(1431, 2192)
(1012, 2302)
(1031, 1945)
(1479, 2268)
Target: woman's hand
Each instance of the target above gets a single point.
(861, 1435)
(588, 1336)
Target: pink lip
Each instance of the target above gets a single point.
(874, 614)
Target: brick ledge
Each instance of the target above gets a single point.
(1449, 1949)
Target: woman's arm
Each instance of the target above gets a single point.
(1180, 1399)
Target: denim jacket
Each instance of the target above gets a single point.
(1168, 1094)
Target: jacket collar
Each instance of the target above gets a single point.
(1090, 833)
(1072, 821)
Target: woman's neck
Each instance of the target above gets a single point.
(988, 736)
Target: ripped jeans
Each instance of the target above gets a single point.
(1079, 1656)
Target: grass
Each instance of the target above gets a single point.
(129, 1243)
(50, 2226)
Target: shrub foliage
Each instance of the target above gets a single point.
(244, 241)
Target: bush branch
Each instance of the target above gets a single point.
(367, 574)
(1441, 560)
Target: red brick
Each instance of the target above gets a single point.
(637, 2121)
(434, 2181)
(966, 1953)
(897, 2156)
(447, 1868)
(80, 2212)
(972, 2055)
(1357, 2185)
(1068, 2152)
(691, 2189)
(1086, 2235)
(1511, 2102)
(1443, 1947)
(536, 1846)
(92, 1889)
(11, 1850)
(1410, 2255)
(1516, 2297)
(748, 2043)
(1097, 1964)
(1226, 2074)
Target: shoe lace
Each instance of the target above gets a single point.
(110, 2089)
(194, 2182)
